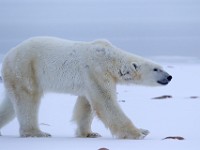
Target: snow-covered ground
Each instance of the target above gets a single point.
(176, 116)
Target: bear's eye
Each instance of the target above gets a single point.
(135, 66)
(155, 69)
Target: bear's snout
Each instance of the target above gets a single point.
(165, 80)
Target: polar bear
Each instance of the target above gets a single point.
(89, 70)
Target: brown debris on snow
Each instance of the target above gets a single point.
(103, 149)
(123, 101)
(193, 97)
(163, 97)
(174, 138)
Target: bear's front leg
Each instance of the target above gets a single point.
(103, 100)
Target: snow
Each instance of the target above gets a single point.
(176, 116)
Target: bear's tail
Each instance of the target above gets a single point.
(7, 112)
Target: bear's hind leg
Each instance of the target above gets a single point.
(26, 104)
(83, 116)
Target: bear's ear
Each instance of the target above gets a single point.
(135, 66)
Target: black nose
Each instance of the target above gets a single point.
(169, 78)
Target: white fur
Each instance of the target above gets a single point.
(89, 70)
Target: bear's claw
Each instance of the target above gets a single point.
(144, 133)
(93, 135)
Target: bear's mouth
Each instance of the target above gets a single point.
(165, 81)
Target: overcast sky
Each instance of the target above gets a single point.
(145, 27)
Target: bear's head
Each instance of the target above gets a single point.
(143, 73)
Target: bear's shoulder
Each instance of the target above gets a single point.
(102, 42)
